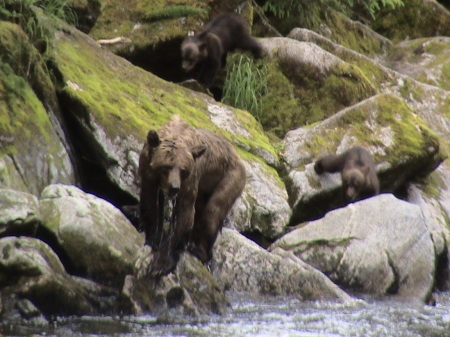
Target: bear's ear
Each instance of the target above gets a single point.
(198, 151)
(153, 138)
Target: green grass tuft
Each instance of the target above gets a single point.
(245, 84)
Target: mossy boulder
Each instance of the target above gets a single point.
(377, 73)
(148, 23)
(426, 60)
(416, 19)
(33, 151)
(336, 27)
(319, 84)
(401, 143)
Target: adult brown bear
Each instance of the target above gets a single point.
(359, 178)
(198, 172)
(205, 53)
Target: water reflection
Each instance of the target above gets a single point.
(269, 317)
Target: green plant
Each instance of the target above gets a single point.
(245, 84)
(33, 51)
(309, 11)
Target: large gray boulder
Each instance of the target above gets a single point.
(96, 238)
(30, 270)
(263, 208)
(19, 213)
(240, 265)
(381, 245)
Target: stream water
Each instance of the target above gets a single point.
(269, 317)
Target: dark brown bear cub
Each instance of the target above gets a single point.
(359, 178)
(201, 175)
(205, 53)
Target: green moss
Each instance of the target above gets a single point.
(320, 97)
(412, 135)
(350, 34)
(409, 90)
(429, 56)
(147, 22)
(279, 107)
(411, 138)
(431, 185)
(111, 95)
(415, 19)
(22, 115)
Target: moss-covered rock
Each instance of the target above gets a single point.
(148, 22)
(338, 28)
(426, 60)
(401, 143)
(417, 18)
(32, 150)
(377, 74)
(309, 84)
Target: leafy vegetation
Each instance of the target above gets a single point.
(26, 13)
(245, 84)
(309, 11)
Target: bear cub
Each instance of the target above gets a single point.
(204, 53)
(359, 178)
(197, 176)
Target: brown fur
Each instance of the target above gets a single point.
(359, 178)
(202, 174)
(205, 53)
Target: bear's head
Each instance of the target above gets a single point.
(172, 162)
(354, 181)
(193, 50)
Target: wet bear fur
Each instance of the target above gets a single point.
(359, 178)
(205, 53)
(201, 175)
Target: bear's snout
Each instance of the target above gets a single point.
(173, 183)
(173, 191)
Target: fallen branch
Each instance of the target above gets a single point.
(120, 39)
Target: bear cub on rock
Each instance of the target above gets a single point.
(205, 53)
(359, 178)
(201, 175)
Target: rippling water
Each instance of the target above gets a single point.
(271, 317)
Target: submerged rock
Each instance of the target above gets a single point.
(190, 290)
